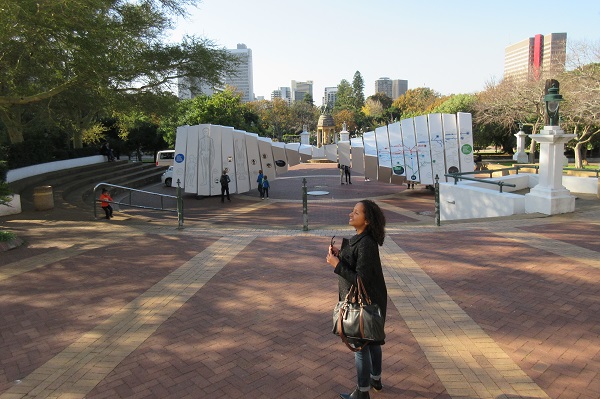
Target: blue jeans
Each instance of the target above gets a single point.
(368, 363)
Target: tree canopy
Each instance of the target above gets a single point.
(97, 46)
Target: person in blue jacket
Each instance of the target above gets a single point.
(265, 187)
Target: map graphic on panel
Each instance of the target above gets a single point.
(465, 141)
(409, 148)
(396, 149)
(436, 144)
(423, 150)
(383, 147)
(450, 143)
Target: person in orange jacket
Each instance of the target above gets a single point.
(106, 199)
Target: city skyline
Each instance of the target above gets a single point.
(451, 48)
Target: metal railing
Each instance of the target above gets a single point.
(461, 176)
(178, 198)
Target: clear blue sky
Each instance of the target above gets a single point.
(449, 46)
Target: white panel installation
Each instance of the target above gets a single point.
(205, 156)
(415, 149)
(370, 145)
(266, 157)
(191, 170)
(344, 153)
(241, 161)
(306, 152)
(384, 156)
(281, 164)
(292, 153)
(411, 161)
(465, 141)
(254, 164)
(331, 152)
(227, 150)
(216, 165)
(423, 150)
(450, 143)
(436, 143)
(357, 153)
(180, 156)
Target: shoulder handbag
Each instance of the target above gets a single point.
(356, 318)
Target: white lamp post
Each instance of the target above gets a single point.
(549, 196)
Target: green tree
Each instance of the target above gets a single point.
(457, 103)
(419, 101)
(304, 113)
(49, 47)
(225, 108)
(344, 98)
(358, 87)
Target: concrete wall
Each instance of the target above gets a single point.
(34, 170)
(13, 207)
(474, 200)
(583, 185)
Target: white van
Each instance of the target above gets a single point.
(165, 158)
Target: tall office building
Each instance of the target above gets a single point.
(531, 58)
(241, 80)
(330, 96)
(393, 88)
(384, 85)
(399, 88)
(300, 89)
(284, 93)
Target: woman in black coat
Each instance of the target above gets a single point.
(359, 256)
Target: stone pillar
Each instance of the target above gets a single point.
(520, 156)
(549, 196)
(319, 137)
(305, 138)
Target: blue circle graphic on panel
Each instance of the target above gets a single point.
(179, 158)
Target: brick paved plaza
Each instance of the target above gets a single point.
(238, 303)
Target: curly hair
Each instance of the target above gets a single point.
(375, 219)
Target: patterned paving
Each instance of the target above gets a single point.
(238, 304)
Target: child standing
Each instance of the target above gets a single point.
(265, 186)
(106, 199)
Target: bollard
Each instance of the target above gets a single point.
(43, 198)
(437, 200)
(304, 205)
(179, 206)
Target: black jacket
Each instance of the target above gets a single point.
(360, 256)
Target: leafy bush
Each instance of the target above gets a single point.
(6, 236)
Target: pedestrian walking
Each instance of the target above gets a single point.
(225, 180)
(359, 257)
(259, 180)
(266, 186)
(347, 174)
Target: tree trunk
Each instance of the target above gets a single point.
(78, 139)
(532, 147)
(12, 121)
(577, 150)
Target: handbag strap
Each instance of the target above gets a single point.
(340, 329)
(362, 291)
(356, 290)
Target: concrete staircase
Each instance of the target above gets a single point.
(73, 187)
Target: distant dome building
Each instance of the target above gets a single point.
(325, 130)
